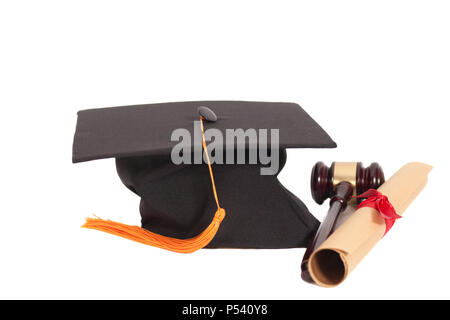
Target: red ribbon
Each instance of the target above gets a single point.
(379, 202)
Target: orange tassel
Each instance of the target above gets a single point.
(144, 236)
(141, 235)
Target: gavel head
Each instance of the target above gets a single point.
(325, 179)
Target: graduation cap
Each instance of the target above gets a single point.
(225, 200)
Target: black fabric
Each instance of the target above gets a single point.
(146, 129)
(177, 200)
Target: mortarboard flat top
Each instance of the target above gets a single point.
(146, 129)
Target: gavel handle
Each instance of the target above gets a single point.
(338, 203)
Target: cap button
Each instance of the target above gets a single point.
(207, 114)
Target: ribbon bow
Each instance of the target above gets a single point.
(379, 202)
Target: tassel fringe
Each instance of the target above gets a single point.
(144, 236)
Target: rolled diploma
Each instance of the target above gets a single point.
(331, 263)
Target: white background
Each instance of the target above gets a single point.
(374, 74)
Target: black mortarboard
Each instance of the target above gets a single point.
(176, 199)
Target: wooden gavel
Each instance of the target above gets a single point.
(339, 182)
